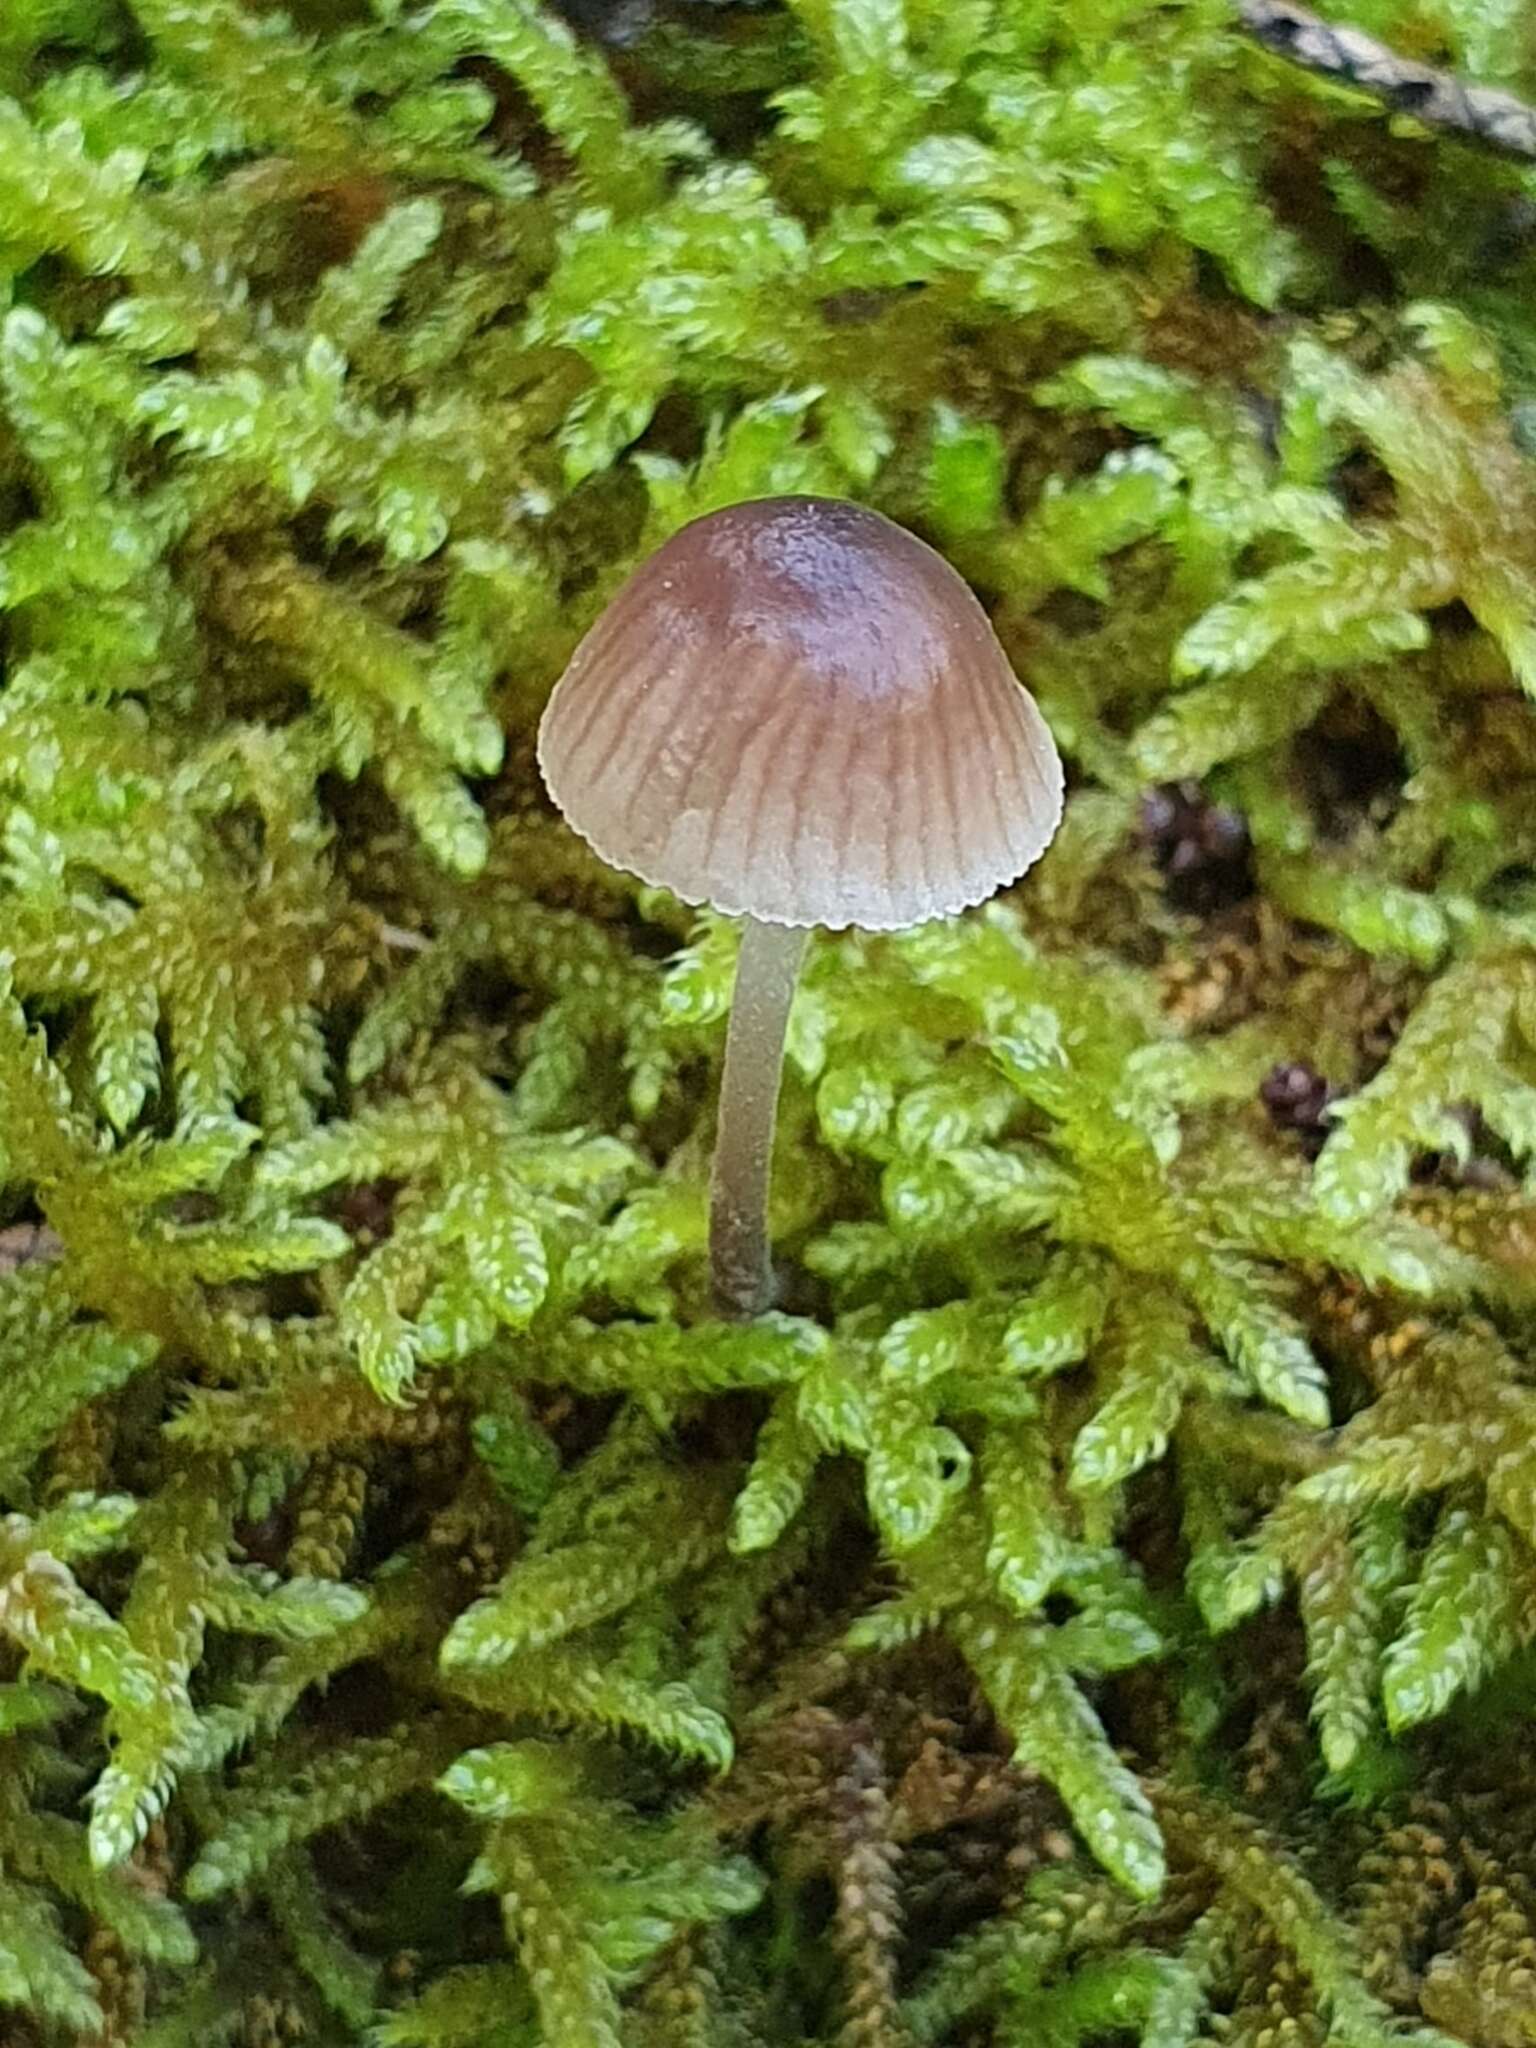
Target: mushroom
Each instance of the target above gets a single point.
(797, 713)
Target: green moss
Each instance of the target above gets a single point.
(1102, 1604)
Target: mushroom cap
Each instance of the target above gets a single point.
(797, 711)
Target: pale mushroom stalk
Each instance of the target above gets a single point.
(741, 1265)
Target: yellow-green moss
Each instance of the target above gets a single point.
(1101, 1605)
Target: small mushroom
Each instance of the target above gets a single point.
(798, 713)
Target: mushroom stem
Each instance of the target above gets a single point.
(741, 1270)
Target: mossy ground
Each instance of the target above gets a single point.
(1101, 1606)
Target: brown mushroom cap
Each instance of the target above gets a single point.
(796, 711)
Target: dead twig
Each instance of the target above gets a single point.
(23, 1243)
(1482, 114)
